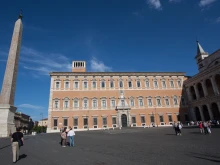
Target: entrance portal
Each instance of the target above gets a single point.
(124, 120)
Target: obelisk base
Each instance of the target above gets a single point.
(7, 126)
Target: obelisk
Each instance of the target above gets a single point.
(7, 108)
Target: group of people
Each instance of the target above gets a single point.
(64, 133)
(177, 127)
(205, 127)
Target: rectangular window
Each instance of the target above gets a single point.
(147, 84)
(122, 103)
(75, 103)
(85, 85)
(66, 104)
(76, 85)
(111, 84)
(152, 119)
(171, 84)
(167, 102)
(65, 122)
(103, 84)
(66, 84)
(133, 119)
(178, 117)
(158, 102)
(138, 84)
(140, 102)
(149, 102)
(103, 103)
(113, 120)
(130, 84)
(164, 84)
(155, 84)
(179, 84)
(56, 104)
(121, 84)
(142, 119)
(104, 121)
(93, 84)
(57, 84)
(132, 103)
(55, 122)
(94, 102)
(85, 103)
(113, 103)
(170, 118)
(161, 119)
(85, 121)
(75, 122)
(95, 121)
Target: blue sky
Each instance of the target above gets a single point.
(116, 35)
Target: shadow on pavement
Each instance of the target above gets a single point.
(208, 157)
(170, 134)
(5, 146)
(23, 156)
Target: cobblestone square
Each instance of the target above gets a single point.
(131, 146)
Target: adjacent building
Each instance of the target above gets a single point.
(23, 121)
(43, 122)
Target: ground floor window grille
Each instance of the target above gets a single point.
(161, 119)
(114, 123)
(85, 123)
(95, 122)
(152, 119)
(170, 118)
(178, 117)
(75, 123)
(142, 119)
(65, 123)
(55, 123)
(104, 122)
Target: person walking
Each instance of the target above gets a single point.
(63, 136)
(205, 126)
(175, 125)
(209, 127)
(201, 127)
(17, 141)
(179, 127)
(71, 135)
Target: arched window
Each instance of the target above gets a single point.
(175, 101)
(76, 103)
(167, 101)
(158, 101)
(66, 102)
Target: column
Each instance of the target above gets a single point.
(210, 111)
(119, 120)
(192, 114)
(204, 88)
(218, 103)
(201, 113)
(188, 94)
(197, 92)
(214, 86)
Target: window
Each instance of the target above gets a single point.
(170, 118)
(142, 119)
(179, 83)
(161, 119)
(103, 84)
(104, 121)
(149, 102)
(66, 104)
(152, 119)
(93, 84)
(66, 84)
(140, 102)
(155, 84)
(113, 120)
(85, 121)
(111, 84)
(56, 104)
(121, 84)
(175, 101)
(167, 102)
(130, 84)
(147, 84)
(138, 84)
(113, 103)
(57, 84)
(158, 102)
(132, 102)
(95, 121)
(75, 122)
(122, 103)
(133, 119)
(94, 103)
(65, 122)
(104, 103)
(55, 122)
(76, 104)
(85, 84)
(171, 84)
(164, 84)
(76, 85)
(85, 103)
(178, 117)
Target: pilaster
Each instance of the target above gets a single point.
(210, 111)
(204, 88)
(218, 103)
(214, 85)
(201, 113)
(197, 92)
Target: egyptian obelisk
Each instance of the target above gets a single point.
(7, 108)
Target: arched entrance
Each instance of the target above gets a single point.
(198, 115)
(215, 111)
(209, 87)
(199, 87)
(124, 121)
(205, 112)
(193, 93)
(217, 81)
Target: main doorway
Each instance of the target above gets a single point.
(124, 120)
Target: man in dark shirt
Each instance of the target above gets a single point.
(16, 138)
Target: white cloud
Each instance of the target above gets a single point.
(156, 4)
(29, 106)
(173, 1)
(43, 63)
(217, 20)
(99, 66)
(204, 3)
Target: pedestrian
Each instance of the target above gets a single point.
(205, 126)
(17, 141)
(71, 135)
(179, 127)
(61, 140)
(201, 127)
(63, 136)
(175, 125)
(209, 127)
